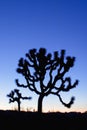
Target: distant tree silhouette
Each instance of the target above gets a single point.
(45, 74)
(15, 95)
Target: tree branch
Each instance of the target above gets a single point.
(68, 105)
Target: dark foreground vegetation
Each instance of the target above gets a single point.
(13, 120)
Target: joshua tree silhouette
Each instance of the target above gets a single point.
(38, 67)
(15, 95)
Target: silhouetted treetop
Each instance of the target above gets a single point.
(39, 66)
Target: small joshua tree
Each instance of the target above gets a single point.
(15, 95)
(49, 72)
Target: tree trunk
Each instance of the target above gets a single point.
(40, 103)
(19, 106)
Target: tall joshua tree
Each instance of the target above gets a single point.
(38, 67)
(15, 95)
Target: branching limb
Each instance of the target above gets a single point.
(68, 105)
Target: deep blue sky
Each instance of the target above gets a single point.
(53, 24)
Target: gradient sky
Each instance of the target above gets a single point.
(53, 24)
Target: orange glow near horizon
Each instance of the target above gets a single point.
(45, 110)
(68, 110)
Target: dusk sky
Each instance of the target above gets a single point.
(54, 25)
